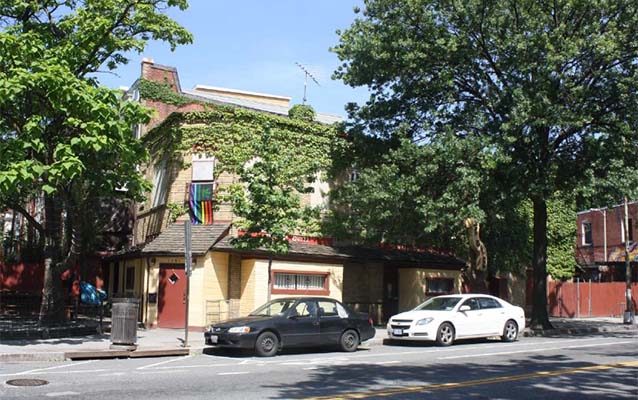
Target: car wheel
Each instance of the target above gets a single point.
(349, 340)
(510, 332)
(445, 334)
(267, 344)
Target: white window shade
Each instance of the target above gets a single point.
(203, 167)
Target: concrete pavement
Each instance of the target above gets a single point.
(169, 342)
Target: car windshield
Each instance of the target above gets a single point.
(439, 304)
(275, 307)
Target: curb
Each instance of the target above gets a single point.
(576, 331)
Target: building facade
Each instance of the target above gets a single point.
(600, 242)
(228, 282)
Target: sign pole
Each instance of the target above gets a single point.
(187, 269)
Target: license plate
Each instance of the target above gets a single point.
(213, 338)
(397, 331)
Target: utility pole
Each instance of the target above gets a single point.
(628, 317)
(187, 269)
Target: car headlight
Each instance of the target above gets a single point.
(424, 321)
(239, 329)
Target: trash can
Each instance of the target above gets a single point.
(124, 313)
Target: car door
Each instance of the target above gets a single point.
(468, 323)
(301, 327)
(331, 322)
(493, 316)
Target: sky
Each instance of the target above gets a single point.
(254, 45)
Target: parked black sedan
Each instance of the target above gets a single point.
(293, 322)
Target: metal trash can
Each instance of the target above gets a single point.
(124, 313)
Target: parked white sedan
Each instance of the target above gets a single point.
(445, 319)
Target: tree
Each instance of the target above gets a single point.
(551, 86)
(62, 136)
(267, 200)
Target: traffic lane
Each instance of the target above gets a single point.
(318, 374)
(595, 381)
(231, 360)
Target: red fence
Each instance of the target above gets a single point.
(588, 299)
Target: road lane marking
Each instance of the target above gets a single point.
(163, 362)
(387, 362)
(233, 373)
(59, 394)
(486, 381)
(535, 350)
(50, 368)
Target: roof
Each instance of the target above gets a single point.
(400, 258)
(171, 240)
(253, 105)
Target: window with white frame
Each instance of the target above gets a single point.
(587, 234)
(291, 281)
(159, 184)
(203, 167)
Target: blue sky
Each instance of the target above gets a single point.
(253, 45)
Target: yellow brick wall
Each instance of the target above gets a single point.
(412, 285)
(248, 283)
(215, 286)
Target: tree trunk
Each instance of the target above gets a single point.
(540, 318)
(52, 306)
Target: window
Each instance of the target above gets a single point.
(159, 184)
(203, 167)
(486, 302)
(328, 309)
(622, 231)
(587, 237)
(291, 282)
(354, 176)
(130, 278)
(473, 303)
(437, 286)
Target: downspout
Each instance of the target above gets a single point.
(148, 278)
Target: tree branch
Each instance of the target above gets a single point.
(29, 217)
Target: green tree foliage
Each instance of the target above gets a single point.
(412, 194)
(550, 85)
(302, 112)
(62, 136)
(267, 199)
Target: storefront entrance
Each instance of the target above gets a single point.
(172, 294)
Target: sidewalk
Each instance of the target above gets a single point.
(169, 342)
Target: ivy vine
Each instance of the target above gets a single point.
(162, 92)
(231, 134)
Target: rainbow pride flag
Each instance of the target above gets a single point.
(201, 203)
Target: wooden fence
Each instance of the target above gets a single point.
(588, 299)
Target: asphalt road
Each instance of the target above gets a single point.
(586, 367)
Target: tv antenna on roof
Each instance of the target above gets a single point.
(305, 81)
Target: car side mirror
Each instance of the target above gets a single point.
(464, 308)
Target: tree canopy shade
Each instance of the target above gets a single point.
(63, 137)
(549, 86)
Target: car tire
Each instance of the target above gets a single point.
(267, 344)
(445, 334)
(349, 340)
(510, 331)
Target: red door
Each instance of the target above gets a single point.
(172, 292)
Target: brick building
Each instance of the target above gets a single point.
(600, 242)
(226, 281)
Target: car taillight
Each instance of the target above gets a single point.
(371, 321)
